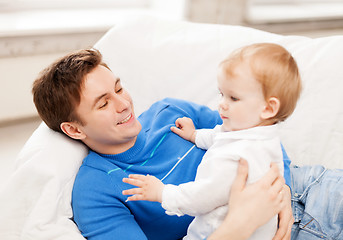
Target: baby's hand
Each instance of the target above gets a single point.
(149, 188)
(185, 129)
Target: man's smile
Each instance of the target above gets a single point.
(125, 120)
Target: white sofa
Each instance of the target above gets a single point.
(157, 58)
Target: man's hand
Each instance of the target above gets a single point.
(185, 129)
(149, 188)
(286, 218)
(262, 199)
(251, 205)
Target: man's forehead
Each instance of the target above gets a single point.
(100, 78)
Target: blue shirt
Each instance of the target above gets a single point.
(100, 209)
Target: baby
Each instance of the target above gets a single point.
(259, 86)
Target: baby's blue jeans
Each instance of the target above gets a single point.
(317, 203)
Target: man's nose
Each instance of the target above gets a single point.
(121, 103)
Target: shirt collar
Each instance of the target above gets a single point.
(255, 133)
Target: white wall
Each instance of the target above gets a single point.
(17, 75)
(23, 57)
(21, 60)
(31, 40)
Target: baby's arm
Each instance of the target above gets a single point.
(185, 128)
(149, 188)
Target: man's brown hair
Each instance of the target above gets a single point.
(57, 90)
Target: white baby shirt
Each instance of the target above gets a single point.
(207, 196)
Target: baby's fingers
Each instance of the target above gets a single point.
(132, 191)
(135, 198)
(176, 130)
(138, 176)
(133, 182)
(135, 179)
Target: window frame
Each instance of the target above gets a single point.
(283, 11)
(27, 5)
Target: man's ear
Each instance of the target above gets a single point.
(271, 109)
(72, 130)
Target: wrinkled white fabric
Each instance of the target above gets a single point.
(207, 196)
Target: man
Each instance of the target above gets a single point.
(79, 96)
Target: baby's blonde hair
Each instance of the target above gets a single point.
(275, 68)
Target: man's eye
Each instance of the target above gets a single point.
(104, 105)
(234, 99)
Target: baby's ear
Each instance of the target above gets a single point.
(72, 130)
(271, 109)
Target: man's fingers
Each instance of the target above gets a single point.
(281, 232)
(284, 230)
(289, 229)
(278, 184)
(242, 175)
(277, 187)
(287, 235)
(272, 175)
(286, 218)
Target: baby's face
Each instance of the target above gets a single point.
(242, 100)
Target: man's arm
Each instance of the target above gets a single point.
(107, 222)
(99, 213)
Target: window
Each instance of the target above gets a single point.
(32, 27)
(277, 11)
(15, 5)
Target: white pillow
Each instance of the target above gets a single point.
(36, 199)
(156, 58)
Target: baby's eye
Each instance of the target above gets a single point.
(234, 98)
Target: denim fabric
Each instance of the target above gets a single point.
(317, 203)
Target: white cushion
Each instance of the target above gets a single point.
(156, 58)
(36, 199)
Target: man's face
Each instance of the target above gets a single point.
(106, 110)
